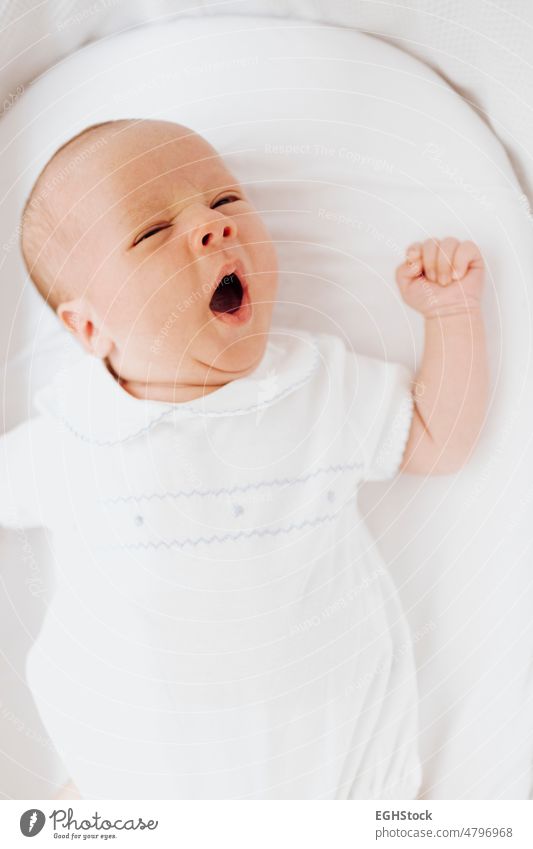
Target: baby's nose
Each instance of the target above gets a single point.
(212, 233)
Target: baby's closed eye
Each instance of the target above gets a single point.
(229, 198)
(155, 228)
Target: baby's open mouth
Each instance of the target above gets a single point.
(227, 297)
(230, 302)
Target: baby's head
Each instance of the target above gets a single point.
(149, 251)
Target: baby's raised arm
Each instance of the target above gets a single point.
(444, 281)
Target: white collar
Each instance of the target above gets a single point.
(93, 406)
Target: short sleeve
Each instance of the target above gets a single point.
(381, 413)
(24, 454)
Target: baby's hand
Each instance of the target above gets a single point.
(441, 277)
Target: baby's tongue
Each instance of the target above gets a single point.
(227, 297)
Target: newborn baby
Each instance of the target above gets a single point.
(222, 626)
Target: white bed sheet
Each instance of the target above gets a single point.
(351, 149)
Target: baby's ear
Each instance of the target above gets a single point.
(77, 317)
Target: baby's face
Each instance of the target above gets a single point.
(179, 271)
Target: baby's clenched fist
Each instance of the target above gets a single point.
(441, 277)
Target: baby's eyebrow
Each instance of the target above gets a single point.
(142, 213)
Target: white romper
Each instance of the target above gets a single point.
(222, 625)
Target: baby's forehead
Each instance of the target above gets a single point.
(156, 164)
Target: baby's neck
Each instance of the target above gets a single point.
(172, 393)
(168, 392)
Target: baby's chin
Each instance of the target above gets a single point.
(240, 355)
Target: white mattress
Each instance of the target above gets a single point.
(351, 150)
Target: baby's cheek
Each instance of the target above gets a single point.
(265, 256)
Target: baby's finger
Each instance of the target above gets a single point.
(414, 250)
(407, 272)
(414, 257)
(445, 256)
(429, 251)
(466, 254)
